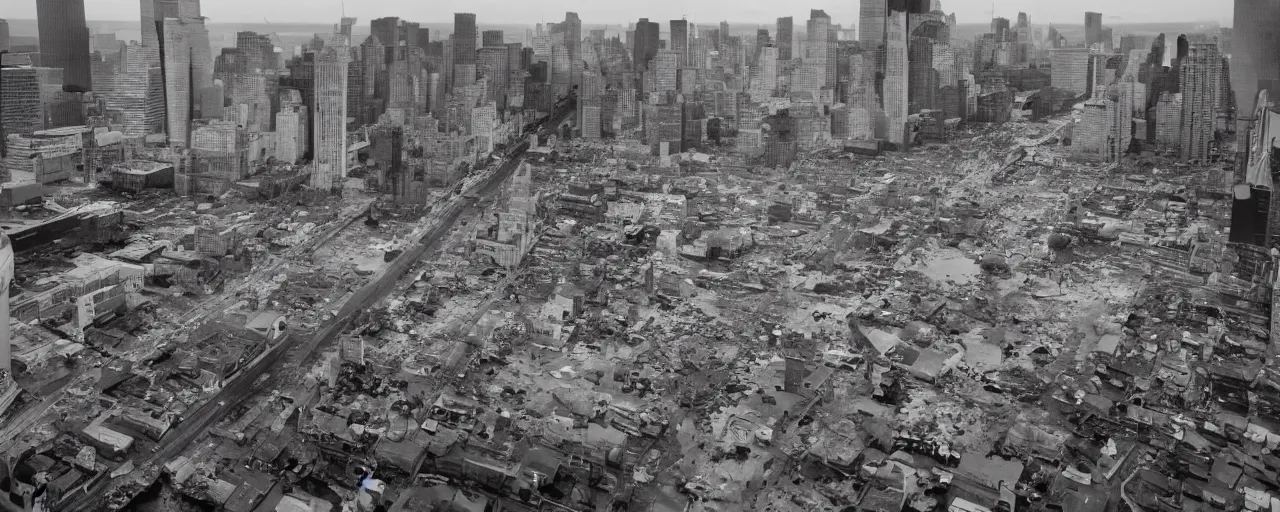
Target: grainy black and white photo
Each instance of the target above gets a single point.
(660, 256)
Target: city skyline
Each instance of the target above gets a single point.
(743, 12)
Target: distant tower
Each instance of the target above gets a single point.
(1255, 64)
(64, 41)
(1092, 28)
(1201, 75)
(680, 41)
(330, 118)
(464, 39)
(785, 38)
(4, 34)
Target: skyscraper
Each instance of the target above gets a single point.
(153, 14)
(464, 38)
(492, 39)
(680, 41)
(187, 73)
(64, 41)
(1000, 27)
(1092, 28)
(784, 38)
(646, 46)
(1255, 63)
(330, 118)
(820, 45)
(871, 17)
(1024, 21)
(1201, 75)
(895, 77)
(4, 34)
(387, 30)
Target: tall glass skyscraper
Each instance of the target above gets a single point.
(64, 41)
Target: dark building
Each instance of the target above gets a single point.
(1000, 27)
(64, 42)
(762, 40)
(356, 94)
(1092, 28)
(492, 39)
(464, 39)
(408, 33)
(386, 30)
(785, 38)
(646, 47)
(1256, 33)
(423, 38)
(680, 41)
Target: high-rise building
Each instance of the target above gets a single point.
(1024, 21)
(408, 33)
(768, 71)
(345, 28)
(680, 40)
(572, 29)
(1255, 63)
(64, 41)
(820, 45)
(646, 46)
(21, 108)
(179, 77)
(1070, 69)
(1092, 28)
(1168, 120)
(1200, 82)
(330, 118)
(1000, 27)
(871, 18)
(386, 30)
(4, 34)
(895, 77)
(464, 38)
(492, 39)
(785, 38)
(258, 50)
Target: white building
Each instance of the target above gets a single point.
(329, 123)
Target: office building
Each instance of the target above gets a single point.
(386, 30)
(1200, 81)
(646, 45)
(464, 39)
(21, 107)
(895, 77)
(1001, 28)
(187, 75)
(258, 51)
(1070, 70)
(64, 41)
(821, 45)
(329, 121)
(1255, 63)
(4, 35)
(680, 41)
(492, 39)
(1092, 28)
(871, 19)
(785, 38)
(1168, 119)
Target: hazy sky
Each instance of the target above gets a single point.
(702, 11)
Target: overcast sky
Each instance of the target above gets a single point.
(702, 11)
